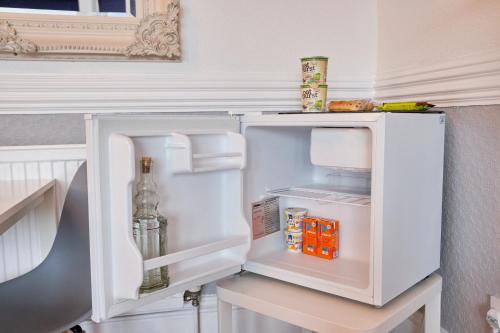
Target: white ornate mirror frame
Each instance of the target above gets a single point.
(152, 34)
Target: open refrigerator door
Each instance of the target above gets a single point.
(198, 167)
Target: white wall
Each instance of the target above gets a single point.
(444, 51)
(247, 38)
(428, 32)
(225, 44)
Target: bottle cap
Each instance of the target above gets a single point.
(146, 163)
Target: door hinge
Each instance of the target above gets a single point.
(193, 296)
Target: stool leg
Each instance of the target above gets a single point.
(432, 319)
(225, 315)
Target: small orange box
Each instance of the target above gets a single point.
(327, 227)
(310, 235)
(310, 244)
(320, 237)
(328, 239)
(310, 225)
(328, 247)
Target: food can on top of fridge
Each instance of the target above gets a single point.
(313, 97)
(294, 217)
(314, 70)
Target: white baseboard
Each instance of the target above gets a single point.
(469, 80)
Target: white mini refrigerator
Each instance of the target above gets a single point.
(379, 174)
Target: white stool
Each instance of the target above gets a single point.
(325, 313)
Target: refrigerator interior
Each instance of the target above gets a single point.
(279, 163)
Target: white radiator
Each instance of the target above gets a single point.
(20, 246)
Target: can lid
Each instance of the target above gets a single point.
(296, 210)
(314, 86)
(314, 58)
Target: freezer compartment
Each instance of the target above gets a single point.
(279, 164)
(341, 147)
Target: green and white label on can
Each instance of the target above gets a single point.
(314, 70)
(313, 97)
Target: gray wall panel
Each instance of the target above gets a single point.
(470, 261)
(20, 130)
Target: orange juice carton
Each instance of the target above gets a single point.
(310, 246)
(328, 239)
(325, 247)
(327, 226)
(310, 235)
(310, 225)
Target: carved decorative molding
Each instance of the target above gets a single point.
(11, 42)
(158, 35)
(152, 34)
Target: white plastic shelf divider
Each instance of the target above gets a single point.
(211, 270)
(216, 155)
(324, 195)
(194, 252)
(18, 197)
(185, 160)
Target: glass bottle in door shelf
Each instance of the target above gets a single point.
(150, 228)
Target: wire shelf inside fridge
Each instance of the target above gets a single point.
(355, 197)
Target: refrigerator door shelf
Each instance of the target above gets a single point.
(128, 264)
(231, 153)
(208, 236)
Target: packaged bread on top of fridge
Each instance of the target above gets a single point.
(351, 105)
